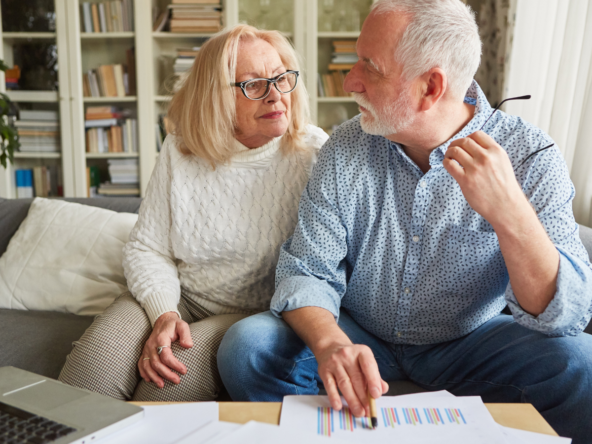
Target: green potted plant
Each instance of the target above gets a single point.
(8, 134)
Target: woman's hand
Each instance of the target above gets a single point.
(168, 328)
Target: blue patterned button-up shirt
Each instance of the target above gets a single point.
(405, 254)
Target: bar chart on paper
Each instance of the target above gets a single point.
(417, 419)
(329, 420)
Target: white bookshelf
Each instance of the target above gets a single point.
(80, 51)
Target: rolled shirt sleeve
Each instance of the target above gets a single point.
(311, 270)
(551, 192)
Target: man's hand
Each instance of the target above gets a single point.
(168, 328)
(486, 178)
(353, 370)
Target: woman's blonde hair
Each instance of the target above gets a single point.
(203, 111)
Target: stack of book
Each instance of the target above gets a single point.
(40, 181)
(110, 16)
(199, 16)
(39, 131)
(185, 59)
(111, 80)
(343, 59)
(110, 130)
(125, 178)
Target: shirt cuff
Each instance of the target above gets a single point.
(304, 291)
(159, 303)
(568, 312)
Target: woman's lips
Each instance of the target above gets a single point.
(273, 115)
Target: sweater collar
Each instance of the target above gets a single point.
(246, 155)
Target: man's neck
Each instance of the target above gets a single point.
(419, 141)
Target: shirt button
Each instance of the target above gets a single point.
(398, 334)
(407, 290)
(423, 184)
(416, 238)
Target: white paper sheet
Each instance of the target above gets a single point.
(210, 433)
(515, 436)
(165, 424)
(419, 418)
(260, 433)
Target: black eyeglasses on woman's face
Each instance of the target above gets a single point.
(259, 89)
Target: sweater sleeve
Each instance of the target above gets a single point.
(148, 258)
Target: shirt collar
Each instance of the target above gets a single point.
(476, 96)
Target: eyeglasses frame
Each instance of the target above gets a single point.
(270, 82)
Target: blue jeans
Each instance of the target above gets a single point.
(262, 359)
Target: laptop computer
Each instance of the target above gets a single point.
(36, 409)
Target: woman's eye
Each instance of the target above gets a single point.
(256, 86)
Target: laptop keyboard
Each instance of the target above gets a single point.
(20, 427)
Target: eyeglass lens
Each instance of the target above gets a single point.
(259, 88)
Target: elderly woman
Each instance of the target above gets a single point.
(221, 201)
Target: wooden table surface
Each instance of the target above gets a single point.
(517, 416)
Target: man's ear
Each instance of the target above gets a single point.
(435, 84)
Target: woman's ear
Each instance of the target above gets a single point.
(434, 85)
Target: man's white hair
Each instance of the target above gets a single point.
(442, 34)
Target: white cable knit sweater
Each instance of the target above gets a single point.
(216, 234)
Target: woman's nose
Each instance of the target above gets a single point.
(274, 95)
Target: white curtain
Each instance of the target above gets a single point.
(551, 58)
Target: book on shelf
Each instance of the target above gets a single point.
(120, 190)
(93, 180)
(108, 16)
(11, 77)
(161, 21)
(343, 59)
(39, 131)
(40, 181)
(110, 130)
(110, 80)
(163, 128)
(24, 184)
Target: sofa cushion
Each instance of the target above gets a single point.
(14, 211)
(65, 257)
(39, 341)
(586, 236)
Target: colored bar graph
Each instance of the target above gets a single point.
(413, 416)
(346, 421)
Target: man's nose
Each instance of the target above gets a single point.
(353, 82)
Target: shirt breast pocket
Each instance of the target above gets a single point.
(474, 251)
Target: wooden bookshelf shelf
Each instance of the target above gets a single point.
(107, 35)
(162, 98)
(28, 155)
(181, 35)
(335, 99)
(109, 99)
(111, 155)
(33, 96)
(28, 35)
(339, 35)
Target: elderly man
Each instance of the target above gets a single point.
(421, 221)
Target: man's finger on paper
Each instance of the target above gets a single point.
(346, 388)
(332, 392)
(371, 373)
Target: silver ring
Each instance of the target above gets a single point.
(146, 359)
(159, 349)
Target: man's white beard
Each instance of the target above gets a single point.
(394, 118)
